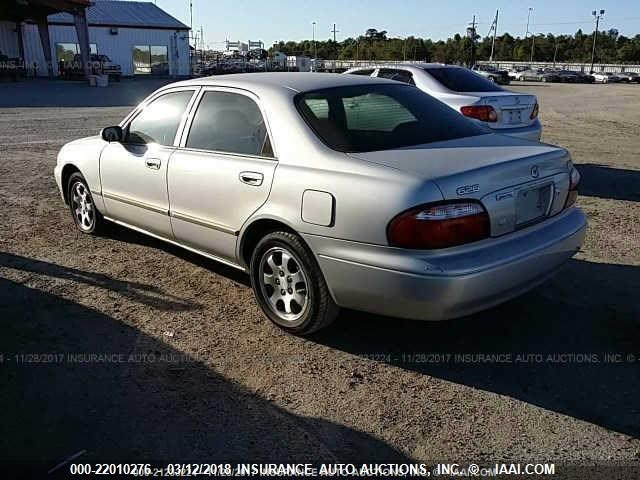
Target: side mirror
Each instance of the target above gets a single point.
(112, 134)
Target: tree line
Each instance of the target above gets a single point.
(376, 45)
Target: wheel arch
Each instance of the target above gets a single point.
(254, 230)
(68, 170)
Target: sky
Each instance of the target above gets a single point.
(271, 21)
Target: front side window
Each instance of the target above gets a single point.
(158, 122)
(462, 80)
(367, 118)
(229, 122)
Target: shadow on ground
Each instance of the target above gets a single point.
(607, 182)
(587, 312)
(588, 308)
(61, 93)
(141, 401)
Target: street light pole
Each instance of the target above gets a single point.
(315, 51)
(597, 16)
(528, 17)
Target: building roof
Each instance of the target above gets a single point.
(112, 13)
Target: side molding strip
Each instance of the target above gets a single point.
(203, 223)
(135, 203)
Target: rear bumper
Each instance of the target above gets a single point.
(531, 132)
(447, 284)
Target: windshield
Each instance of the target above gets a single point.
(367, 118)
(462, 80)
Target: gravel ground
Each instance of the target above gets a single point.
(211, 380)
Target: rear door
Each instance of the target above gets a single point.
(222, 172)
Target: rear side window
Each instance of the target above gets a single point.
(362, 72)
(229, 122)
(397, 75)
(367, 118)
(374, 111)
(158, 122)
(462, 80)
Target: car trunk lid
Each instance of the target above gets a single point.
(518, 182)
(513, 109)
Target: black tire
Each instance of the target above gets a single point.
(97, 222)
(319, 310)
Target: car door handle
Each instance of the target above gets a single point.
(251, 178)
(153, 163)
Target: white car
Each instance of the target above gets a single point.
(606, 77)
(490, 105)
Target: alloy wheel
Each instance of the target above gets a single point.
(284, 285)
(82, 207)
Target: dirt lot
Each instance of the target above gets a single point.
(212, 380)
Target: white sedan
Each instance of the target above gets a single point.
(488, 104)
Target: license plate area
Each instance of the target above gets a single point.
(533, 204)
(512, 116)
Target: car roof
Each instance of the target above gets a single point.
(405, 65)
(280, 81)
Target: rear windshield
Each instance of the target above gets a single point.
(462, 80)
(367, 118)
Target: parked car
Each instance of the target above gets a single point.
(607, 77)
(629, 77)
(538, 75)
(492, 74)
(585, 77)
(564, 76)
(332, 191)
(488, 104)
(98, 64)
(514, 73)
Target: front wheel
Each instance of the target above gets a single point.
(85, 214)
(289, 285)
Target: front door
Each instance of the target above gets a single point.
(134, 172)
(221, 173)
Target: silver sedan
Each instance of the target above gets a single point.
(332, 191)
(465, 91)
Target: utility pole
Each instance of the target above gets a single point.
(471, 33)
(494, 26)
(597, 16)
(528, 17)
(555, 53)
(533, 42)
(334, 32)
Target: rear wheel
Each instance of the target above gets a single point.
(289, 285)
(83, 210)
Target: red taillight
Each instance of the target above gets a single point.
(534, 112)
(574, 181)
(486, 113)
(439, 225)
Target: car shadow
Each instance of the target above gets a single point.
(607, 182)
(577, 337)
(78, 382)
(119, 233)
(139, 292)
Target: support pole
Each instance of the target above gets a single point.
(82, 30)
(43, 30)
